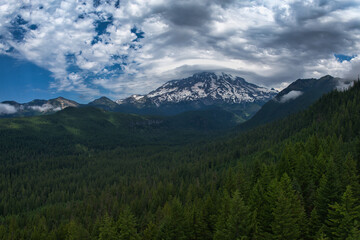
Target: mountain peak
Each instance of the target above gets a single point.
(210, 87)
(327, 77)
(104, 97)
(104, 102)
(60, 98)
(199, 91)
(62, 103)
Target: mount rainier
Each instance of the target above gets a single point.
(201, 91)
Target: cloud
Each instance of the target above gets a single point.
(344, 84)
(45, 108)
(133, 46)
(7, 109)
(290, 96)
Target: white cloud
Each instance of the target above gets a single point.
(45, 108)
(344, 84)
(267, 42)
(290, 96)
(7, 109)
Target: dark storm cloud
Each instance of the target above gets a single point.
(301, 30)
(320, 40)
(189, 14)
(267, 42)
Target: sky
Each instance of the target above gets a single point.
(84, 49)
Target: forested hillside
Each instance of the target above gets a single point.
(296, 178)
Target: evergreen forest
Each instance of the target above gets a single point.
(90, 174)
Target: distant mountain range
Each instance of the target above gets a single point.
(220, 93)
(201, 91)
(35, 107)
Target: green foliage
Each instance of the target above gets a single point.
(150, 232)
(343, 217)
(89, 174)
(76, 231)
(288, 212)
(126, 225)
(173, 225)
(107, 229)
(235, 220)
(327, 193)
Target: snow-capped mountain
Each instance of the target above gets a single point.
(209, 88)
(132, 99)
(202, 90)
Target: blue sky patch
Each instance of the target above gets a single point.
(101, 26)
(117, 4)
(139, 34)
(24, 81)
(341, 57)
(33, 27)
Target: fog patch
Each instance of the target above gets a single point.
(7, 109)
(343, 85)
(290, 96)
(45, 108)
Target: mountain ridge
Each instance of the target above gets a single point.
(200, 91)
(298, 96)
(35, 107)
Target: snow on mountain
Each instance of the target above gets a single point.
(207, 88)
(132, 98)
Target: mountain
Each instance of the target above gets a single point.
(104, 103)
(35, 107)
(200, 91)
(73, 172)
(298, 96)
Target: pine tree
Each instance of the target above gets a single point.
(289, 216)
(40, 230)
(303, 176)
(262, 202)
(220, 227)
(287, 161)
(343, 217)
(107, 229)
(150, 232)
(126, 226)
(235, 220)
(354, 233)
(349, 176)
(76, 231)
(239, 223)
(173, 226)
(322, 236)
(327, 193)
(198, 228)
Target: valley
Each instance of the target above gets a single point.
(87, 173)
(179, 120)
